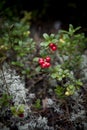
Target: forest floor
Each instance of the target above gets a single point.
(61, 114)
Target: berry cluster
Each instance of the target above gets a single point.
(45, 62)
(53, 47)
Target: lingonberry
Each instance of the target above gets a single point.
(51, 45)
(47, 64)
(44, 62)
(21, 115)
(48, 59)
(43, 65)
(54, 48)
(41, 60)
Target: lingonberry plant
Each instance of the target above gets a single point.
(53, 46)
(71, 45)
(18, 110)
(57, 58)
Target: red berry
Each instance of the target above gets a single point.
(41, 61)
(47, 64)
(21, 115)
(51, 45)
(54, 48)
(43, 65)
(47, 59)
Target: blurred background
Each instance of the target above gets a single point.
(57, 13)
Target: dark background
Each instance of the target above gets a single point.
(68, 12)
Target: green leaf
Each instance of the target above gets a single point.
(46, 36)
(26, 71)
(17, 48)
(54, 75)
(21, 54)
(44, 44)
(59, 90)
(17, 63)
(52, 35)
(54, 40)
(38, 69)
(20, 43)
(35, 59)
(21, 109)
(37, 104)
(13, 110)
(4, 100)
(78, 82)
(77, 28)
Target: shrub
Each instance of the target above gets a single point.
(57, 58)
